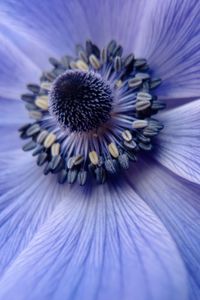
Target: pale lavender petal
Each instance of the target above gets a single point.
(176, 203)
(12, 117)
(104, 244)
(178, 145)
(27, 198)
(169, 38)
(32, 48)
(16, 69)
(60, 25)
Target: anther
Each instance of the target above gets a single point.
(142, 76)
(113, 150)
(142, 105)
(29, 146)
(55, 149)
(50, 139)
(138, 124)
(94, 62)
(111, 166)
(131, 145)
(35, 128)
(71, 176)
(42, 157)
(45, 85)
(134, 82)
(42, 102)
(94, 158)
(82, 177)
(62, 177)
(41, 137)
(118, 63)
(124, 161)
(127, 136)
(142, 96)
(37, 115)
(82, 65)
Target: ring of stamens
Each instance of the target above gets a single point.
(112, 134)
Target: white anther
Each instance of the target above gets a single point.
(113, 150)
(50, 139)
(94, 157)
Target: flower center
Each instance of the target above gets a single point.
(80, 100)
(92, 114)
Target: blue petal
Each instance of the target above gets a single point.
(33, 49)
(178, 145)
(27, 198)
(169, 38)
(15, 69)
(12, 116)
(176, 203)
(30, 32)
(61, 24)
(104, 244)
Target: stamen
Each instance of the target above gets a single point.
(113, 150)
(127, 136)
(50, 139)
(92, 114)
(94, 158)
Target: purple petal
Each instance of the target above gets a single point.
(169, 38)
(33, 49)
(179, 143)
(27, 198)
(103, 243)
(176, 203)
(60, 25)
(12, 116)
(15, 69)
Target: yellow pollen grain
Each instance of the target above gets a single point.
(46, 85)
(73, 65)
(138, 124)
(82, 65)
(127, 136)
(42, 102)
(50, 139)
(40, 138)
(113, 150)
(93, 157)
(37, 115)
(94, 61)
(55, 149)
(78, 159)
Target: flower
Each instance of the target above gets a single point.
(137, 235)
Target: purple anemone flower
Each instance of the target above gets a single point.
(99, 160)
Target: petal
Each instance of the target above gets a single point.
(176, 203)
(178, 145)
(170, 40)
(15, 69)
(24, 203)
(33, 49)
(99, 243)
(62, 24)
(12, 116)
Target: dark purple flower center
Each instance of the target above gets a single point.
(79, 100)
(92, 114)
